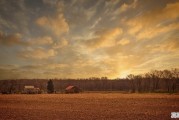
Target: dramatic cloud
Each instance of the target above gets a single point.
(57, 25)
(146, 27)
(87, 38)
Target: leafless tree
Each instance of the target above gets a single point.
(131, 77)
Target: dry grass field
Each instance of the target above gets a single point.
(88, 106)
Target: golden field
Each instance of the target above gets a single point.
(88, 106)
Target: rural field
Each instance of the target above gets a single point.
(88, 106)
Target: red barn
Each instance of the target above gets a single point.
(72, 89)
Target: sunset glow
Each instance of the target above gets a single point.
(87, 38)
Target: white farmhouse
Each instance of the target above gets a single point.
(31, 90)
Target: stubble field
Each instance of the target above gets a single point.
(88, 106)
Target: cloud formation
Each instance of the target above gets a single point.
(45, 40)
(39, 53)
(123, 42)
(146, 27)
(10, 40)
(124, 7)
(104, 38)
(57, 25)
(80, 39)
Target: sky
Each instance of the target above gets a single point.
(87, 38)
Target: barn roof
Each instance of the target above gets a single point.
(69, 87)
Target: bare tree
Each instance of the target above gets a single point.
(138, 81)
(175, 77)
(167, 76)
(155, 76)
(147, 82)
(132, 84)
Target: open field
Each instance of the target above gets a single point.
(88, 106)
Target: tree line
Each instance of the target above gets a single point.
(154, 81)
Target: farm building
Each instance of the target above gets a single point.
(72, 89)
(31, 90)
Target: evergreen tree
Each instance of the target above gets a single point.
(50, 86)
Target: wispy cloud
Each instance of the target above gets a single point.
(45, 40)
(95, 23)
(123, 42)
(124, 7)
(146, 27)
(39, 53)
(104, 38)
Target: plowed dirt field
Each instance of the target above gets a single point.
(88, 106)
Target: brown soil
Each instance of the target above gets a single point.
(88, 106)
